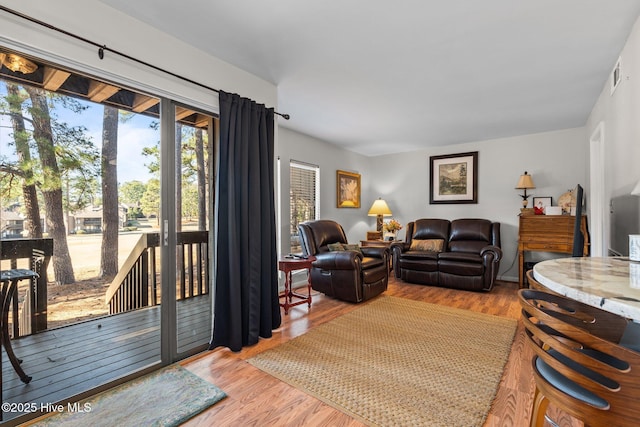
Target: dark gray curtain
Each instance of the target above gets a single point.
(246, 292)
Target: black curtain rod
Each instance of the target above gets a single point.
(102, 48)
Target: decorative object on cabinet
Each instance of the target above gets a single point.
(391, 229)
(525, 183)
(348, 189)
(542, 203)
(553, 210)
(566, 201)
(454, 178)
(379, 209)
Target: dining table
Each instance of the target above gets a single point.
(609, 283)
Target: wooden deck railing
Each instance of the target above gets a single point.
(137, 283)
(35, 254)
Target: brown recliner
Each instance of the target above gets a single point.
(348, 275)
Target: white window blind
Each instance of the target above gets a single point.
(303, 198)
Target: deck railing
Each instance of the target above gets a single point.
(137, 283)
(35, 255)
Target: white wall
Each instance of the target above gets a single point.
(620, 114)
(99, 23)
(557, 162)
(293, 145)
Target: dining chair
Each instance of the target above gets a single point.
(578, 364)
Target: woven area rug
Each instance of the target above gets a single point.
(397, 362)
(167, 397)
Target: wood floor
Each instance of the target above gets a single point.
(258, 399)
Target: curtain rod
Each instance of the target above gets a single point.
(102, 48)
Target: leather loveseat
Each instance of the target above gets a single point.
(342, 271)
(461, 254)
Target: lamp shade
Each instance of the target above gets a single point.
(525, 182)
(636, 189)
(380, 207)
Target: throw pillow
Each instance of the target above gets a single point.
(352, 247)
(333, 247)
(431, 245)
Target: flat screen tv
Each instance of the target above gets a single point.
(578, 238)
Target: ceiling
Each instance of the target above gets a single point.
(378, 77)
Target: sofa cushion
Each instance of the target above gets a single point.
(460, 268)
(351, 247)
(430, 245)
(419, 264)
(333, 247)
(470, 235)
(473, 258)
(428, 228)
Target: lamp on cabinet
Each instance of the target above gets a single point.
(525, 183)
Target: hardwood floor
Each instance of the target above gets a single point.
(258, 399)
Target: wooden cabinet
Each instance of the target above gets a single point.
(383, 243)
(548, 233)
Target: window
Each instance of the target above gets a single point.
(303, 198)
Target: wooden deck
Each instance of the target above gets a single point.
(68, 362)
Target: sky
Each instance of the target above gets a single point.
(133, 136)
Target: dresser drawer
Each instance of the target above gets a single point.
(550, 247)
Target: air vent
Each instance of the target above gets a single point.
(616, 75)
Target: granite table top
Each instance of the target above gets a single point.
(609, 283)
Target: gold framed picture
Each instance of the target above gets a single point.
(348, 189)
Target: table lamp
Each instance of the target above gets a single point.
(379, 209)
(525, 183)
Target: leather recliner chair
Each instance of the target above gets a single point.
(348, 275)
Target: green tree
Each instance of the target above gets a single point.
(51, 185)
(15, 99)
(130, 193)
(150, 201)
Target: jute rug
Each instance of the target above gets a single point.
(167, 397)
(397, 362)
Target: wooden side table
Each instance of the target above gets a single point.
(383, 243)
(287, 266)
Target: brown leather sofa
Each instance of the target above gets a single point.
(460, 254)
(348, 275)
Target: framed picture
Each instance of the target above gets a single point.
(348, 189)
(542, 202)
(454, 178)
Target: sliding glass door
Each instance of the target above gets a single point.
(113, 188)
(193, 171)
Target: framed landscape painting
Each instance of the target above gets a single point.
(348, 189)
(454, 178)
